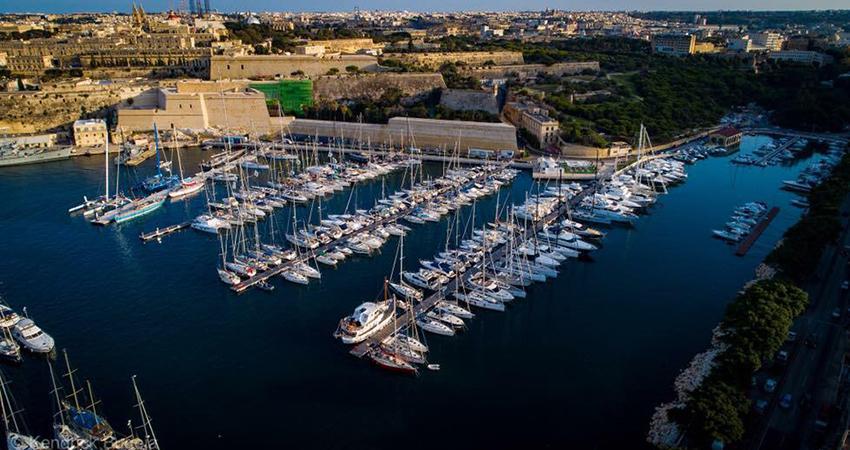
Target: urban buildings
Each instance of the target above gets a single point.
(674, 44)
(768, 40)
(801, 57)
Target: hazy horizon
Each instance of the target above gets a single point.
(72, 6)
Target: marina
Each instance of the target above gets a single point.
(275, 339)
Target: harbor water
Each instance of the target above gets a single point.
(580, 363)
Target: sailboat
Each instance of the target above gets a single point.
(84, 421)
(159, 181)
(188, 186)
(103, 203)
(146, 439)
(401, 288)
(15, 439)
(66, 437)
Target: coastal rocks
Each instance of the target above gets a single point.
(663, 431)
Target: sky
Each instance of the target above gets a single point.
(63, 6)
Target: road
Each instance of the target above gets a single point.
(811, 376)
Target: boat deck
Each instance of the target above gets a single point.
(362, 349)
(751, 238)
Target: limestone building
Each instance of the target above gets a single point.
(90, 133)
(436, 59)
(198, 105)
(426, 134)
(535, 120)
(282, 66)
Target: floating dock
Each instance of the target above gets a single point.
(140, 158)
(160, 232)
(751, 238)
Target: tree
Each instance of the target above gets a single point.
(352, 69)
(715, 411)
(333, 71)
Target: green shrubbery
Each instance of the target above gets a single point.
(754, 327)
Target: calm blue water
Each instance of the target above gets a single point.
(580, 363)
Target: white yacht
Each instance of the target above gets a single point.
(32, 337)
(366, 320)
(209, 223)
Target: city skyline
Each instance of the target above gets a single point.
(70, 6)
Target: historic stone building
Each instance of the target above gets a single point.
(436, 59)
(530, 70)
(197, 105)
(425, 133)
(282, 66)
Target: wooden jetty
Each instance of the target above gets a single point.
(751, 238)
(160, 232)
(362, 349)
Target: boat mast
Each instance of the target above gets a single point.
(70, 376)
(150, 437)
(156, 146)
(56, 392)
(4, 401)
(93, 402)
(177, 149)
(106, 165)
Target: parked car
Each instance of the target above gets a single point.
(782, 357)
(792, 337)
(770, 385)
(845, 285)
(785, 401)
(836, 313)
(760, 406)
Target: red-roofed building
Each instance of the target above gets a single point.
(726, 137)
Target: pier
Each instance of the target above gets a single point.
(751, 238)
(310, 254)
(160, 232)
(362, 349)
(764, 159)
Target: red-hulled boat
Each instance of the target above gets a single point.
(392, 362)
